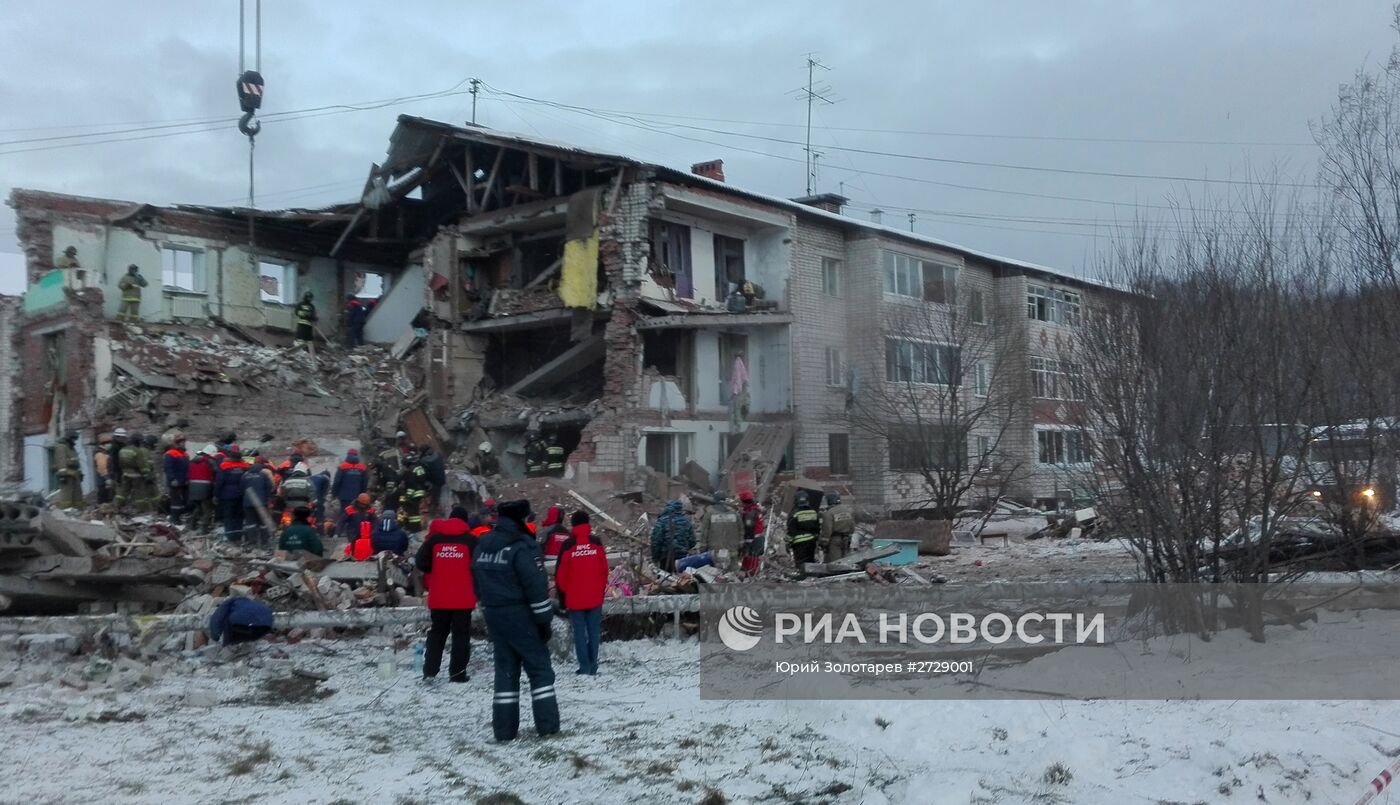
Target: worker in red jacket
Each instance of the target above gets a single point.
(751, 515)
(581, 578)
(445, 560)
(555, 531)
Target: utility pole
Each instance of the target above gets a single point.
(911, 222)
(811, 93)
(476, 84)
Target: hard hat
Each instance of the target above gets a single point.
(71, 250)
(119, 433)
(801, 499)
(400, 435)
(301, 469)
(833, 499)
(484, 447)
(209, 450)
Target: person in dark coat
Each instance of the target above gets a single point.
(445, 560)
(351, 479)
(511, 585)
(257, 482)
(228, 491)
(388, 536)
(239, 620)
(356, 314)
(672, 537)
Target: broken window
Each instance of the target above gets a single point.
(831, 276)
(838, 453)
(1061, 447)
(835, 367)
(1052, 305)
(54, 358)
(670, 256)
(729, 265)
(913, 448)
(182, 269)
(276, 282)
(536, 257)
(920, 279)
(920, 362)
(979, 378)
(672, 354)
(369, 285)
(666, 452)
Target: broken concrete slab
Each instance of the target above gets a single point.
(348, 572)
(69, 536)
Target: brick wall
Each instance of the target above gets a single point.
(820, 323)
(10, 440)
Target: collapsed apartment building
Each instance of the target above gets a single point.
(654, 321)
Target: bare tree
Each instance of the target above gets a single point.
(942, 398)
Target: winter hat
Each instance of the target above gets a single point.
(362, 499)
(388, 520)
(579, 517)
(351, 453)
(517, 510)
(458, 513)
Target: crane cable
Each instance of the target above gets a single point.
(250, 93)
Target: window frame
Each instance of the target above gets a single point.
(977, 306)
(832, 279)
(836, 379)
(288, 282)
(902, 450)
(198, 273)
(1047, 303)
(1054, 379)
(980, 379)
(845, 453)
(945, 370)
(1061, 443)
(908, 277)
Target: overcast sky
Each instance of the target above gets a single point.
(1035, 83)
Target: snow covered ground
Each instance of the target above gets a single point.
(207, 731)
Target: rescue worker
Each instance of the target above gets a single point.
(356, 314)
(751, 516)
(320, 487)
(297, 490)
(167, 439)
(239, 620)
(486, 462)
(388, 535)
(74, 276)
(554, 457)
(301, 535)
(119, 440)
(305, 313)
(509, 579)
(720, 530)
(838, 524)
(536, 455)
(432, 461)
(102, 468)
(672, 536)
(413, 500)
(351, 480)
(486, 519)
(361, 547)
(257, 486)
(228, 491)
(445, 560)
(201, 500)
(581, 578)
(555, 531)
(131, 486)
(176, 466)
(70, 473)
(155, 487)
(130, 286)
(357, 519)
(803, 527)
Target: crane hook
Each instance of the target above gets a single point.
(250, 92)
(249, 130)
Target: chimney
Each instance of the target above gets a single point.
(714, 169)
(831, 202)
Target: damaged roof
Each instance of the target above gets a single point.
(416, 139)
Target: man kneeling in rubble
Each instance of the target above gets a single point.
(239, 620)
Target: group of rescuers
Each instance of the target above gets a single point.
(495, 559)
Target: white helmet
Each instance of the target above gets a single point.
(484, 447)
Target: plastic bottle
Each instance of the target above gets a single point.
(419, 650)
(386, 664)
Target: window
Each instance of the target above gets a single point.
(670, 256)
(982, 449)
(913, 448)
(977, 307)
(1061, 447)
(182, 269)
(1052, 305)
(831, 276)
(979, 378)
(276, 282)
(835, 367)
(369, 285)
(838, 453)
(729, 265)
(919, 279)
(1055, 380)
(667, 452)
(920, 362)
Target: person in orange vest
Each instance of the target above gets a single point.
(555, 532)
(361, 548)
(357, 518)
(485, 519)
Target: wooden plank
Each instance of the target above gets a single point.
(491, 177)
(470, 181)
(532, 162)
(350, 227)
(588, 504)
(547, 273)
(558, 178)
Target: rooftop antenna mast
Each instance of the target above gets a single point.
(813, 93)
